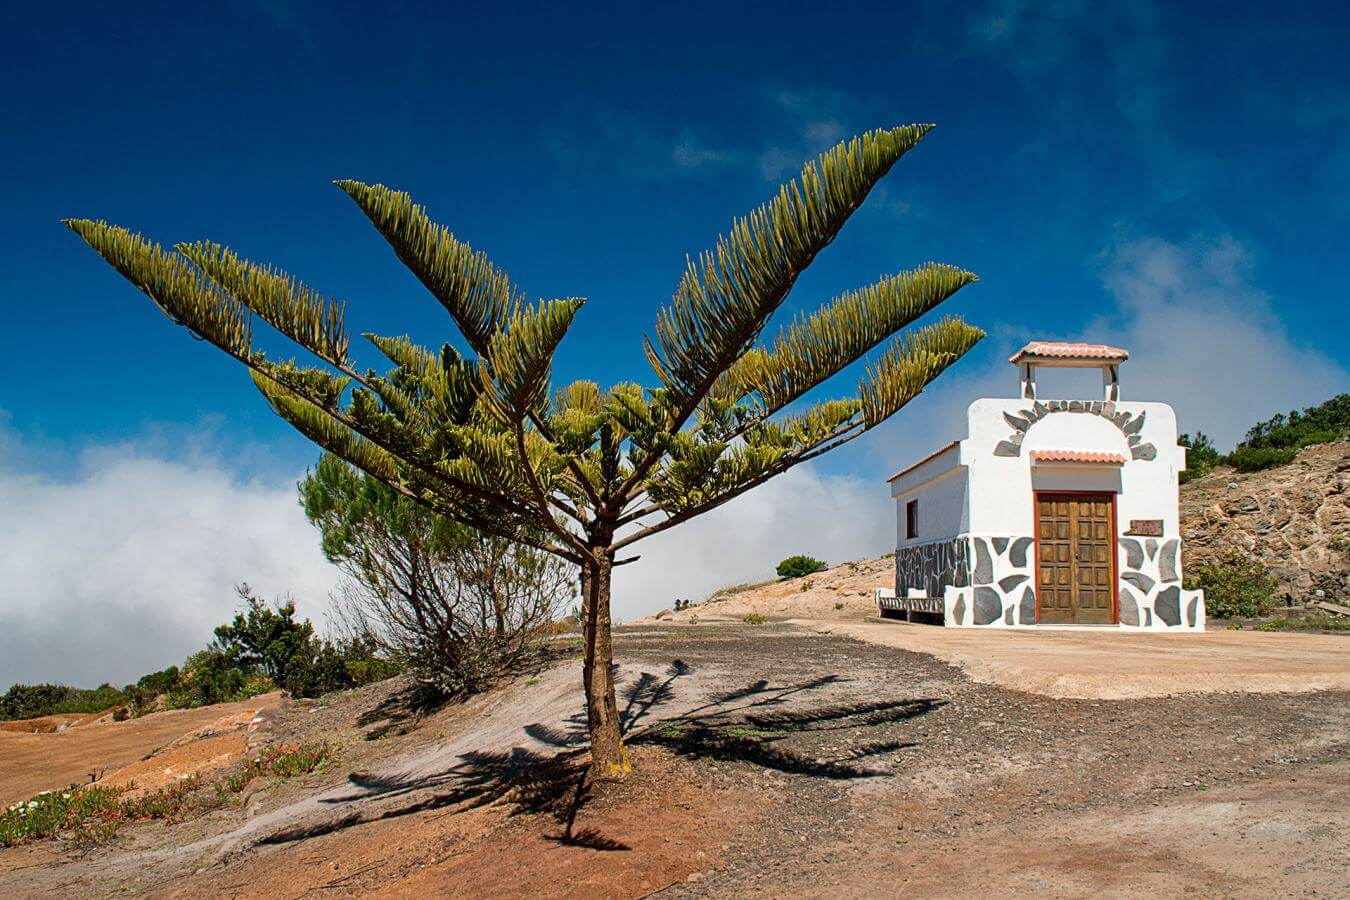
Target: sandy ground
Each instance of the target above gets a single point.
(30, 763)
(773, 760)
(842, 592)
(1113, 665)
(1055, 663)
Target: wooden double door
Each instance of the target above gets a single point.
(1075, 556)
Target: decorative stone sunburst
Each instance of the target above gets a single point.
(1129, 425)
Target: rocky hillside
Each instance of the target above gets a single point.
(1295, 519)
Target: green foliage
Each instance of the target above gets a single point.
(263, 648)
(30, 701)
(1315, 425)
(1274, 442)
(1254, 459)
(161, 682)
(797, 566)
(94, 813)
(579, 472)
(754, 619)
(1235, 586)
(1201, 456)
(266, 638)
(1317, 622)
(456, 607)
(486, 442)
(213, 676)
(287, 761)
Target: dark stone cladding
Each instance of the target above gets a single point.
(1129, 425)
(932, 567)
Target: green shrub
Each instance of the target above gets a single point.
(324, 671)
(797, 566)
(212, 676)
(1201, 456)
(368, 670)
(161, 682)
(754, 619)
(1254, 459)
(1234, 586)
(29, 701)
(1314, 425)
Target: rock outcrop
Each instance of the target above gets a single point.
(1295, 519)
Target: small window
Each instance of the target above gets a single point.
(912, 519)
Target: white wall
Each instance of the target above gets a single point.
(943, 508)
(1001, 487)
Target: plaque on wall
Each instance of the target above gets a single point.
(1146, 527)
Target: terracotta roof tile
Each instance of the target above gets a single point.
(1060, 350)
(1082, 456)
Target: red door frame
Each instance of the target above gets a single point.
(1115, 545)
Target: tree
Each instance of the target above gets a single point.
(458, 606)
(266, 639)
(483, 439)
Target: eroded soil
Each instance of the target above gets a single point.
(774, 761)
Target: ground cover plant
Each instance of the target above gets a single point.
(93, 813)
(581, 471)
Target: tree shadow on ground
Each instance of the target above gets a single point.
(746, 724)
(400, 712)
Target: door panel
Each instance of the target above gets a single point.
(1075, 550)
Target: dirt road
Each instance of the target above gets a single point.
(1108, 664)
(773, 760)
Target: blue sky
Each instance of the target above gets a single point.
(1174, 177)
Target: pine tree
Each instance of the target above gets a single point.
(581, 471)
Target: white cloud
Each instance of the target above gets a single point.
(1204, 337)
(835, 518)
(126, 567)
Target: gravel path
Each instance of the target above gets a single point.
(999, 791)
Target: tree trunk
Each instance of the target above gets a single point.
(609, 759)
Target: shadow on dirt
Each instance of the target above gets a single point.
(400, 712)
(748, 724)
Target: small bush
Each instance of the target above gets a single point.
(754, 619)
(1235, 586)
(1254, 459)
(211, 676)
(797, 566)
(161, 682)
(1201, 456)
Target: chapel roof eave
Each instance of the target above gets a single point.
(1063, 352)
